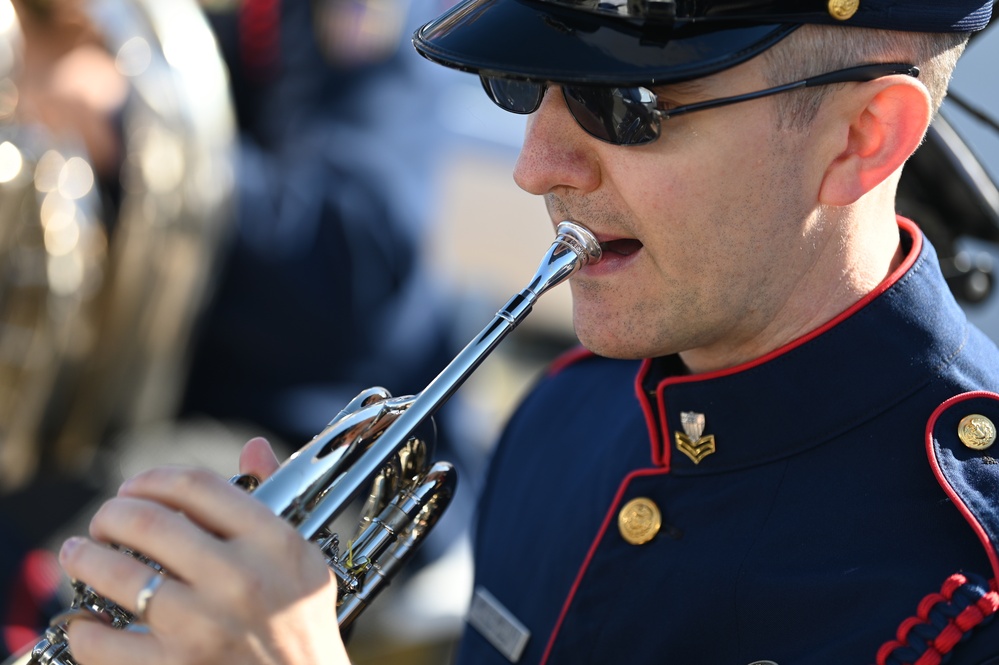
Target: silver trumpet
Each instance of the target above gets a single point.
(377, 441)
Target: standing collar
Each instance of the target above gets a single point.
(883, 348)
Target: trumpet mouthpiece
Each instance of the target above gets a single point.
(581, 240)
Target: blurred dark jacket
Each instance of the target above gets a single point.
(325, 290)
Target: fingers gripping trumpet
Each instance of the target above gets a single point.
(379, 441)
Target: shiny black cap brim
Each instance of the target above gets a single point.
(543, 41)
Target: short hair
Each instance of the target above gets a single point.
(815, 49)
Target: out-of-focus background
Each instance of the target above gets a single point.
(225, 218)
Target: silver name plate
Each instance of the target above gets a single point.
(488, 616)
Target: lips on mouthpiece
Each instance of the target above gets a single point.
(623, 246)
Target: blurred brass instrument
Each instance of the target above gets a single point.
(377, 441)
(98, 299)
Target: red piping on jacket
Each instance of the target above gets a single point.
(568, 358)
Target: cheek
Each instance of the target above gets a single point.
(718, 233)
(692, 179)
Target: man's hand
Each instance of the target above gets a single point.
(243, 586)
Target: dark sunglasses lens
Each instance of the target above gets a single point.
(623, 116)
(513, 95)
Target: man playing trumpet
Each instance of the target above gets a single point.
(777, 446)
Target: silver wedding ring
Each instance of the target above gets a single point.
(146, 594)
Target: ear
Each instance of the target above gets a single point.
(884, 122)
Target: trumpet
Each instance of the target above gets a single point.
(377, 441)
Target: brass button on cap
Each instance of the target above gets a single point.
(639, 521)
(976, 432)
(842, 10)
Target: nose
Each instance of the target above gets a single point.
(556, 153)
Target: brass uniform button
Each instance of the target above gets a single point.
(639, 521)
(976, 432)
(841, 10)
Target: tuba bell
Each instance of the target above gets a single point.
(104, 275)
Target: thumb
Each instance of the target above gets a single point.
(257, 458)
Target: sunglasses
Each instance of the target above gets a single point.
(633, 116)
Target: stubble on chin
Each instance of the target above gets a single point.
(601, 327)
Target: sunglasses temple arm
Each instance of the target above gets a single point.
(860, 74)
(666, 114)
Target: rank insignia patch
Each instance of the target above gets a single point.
(690, 442)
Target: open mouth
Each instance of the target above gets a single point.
(621, 246)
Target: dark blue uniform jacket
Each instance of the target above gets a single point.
(839, 519)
